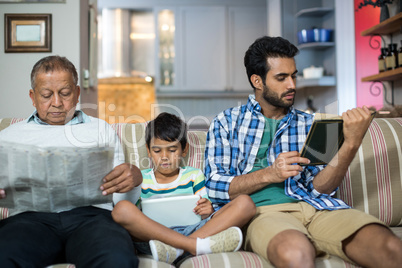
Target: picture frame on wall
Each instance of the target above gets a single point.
(27, 33)
(32, 1)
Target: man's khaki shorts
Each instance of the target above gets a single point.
(326, 229)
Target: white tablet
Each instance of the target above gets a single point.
(172, 211)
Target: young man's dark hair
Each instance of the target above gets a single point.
(167, 127)
(256, 58)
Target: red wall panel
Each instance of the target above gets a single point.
(367, 57)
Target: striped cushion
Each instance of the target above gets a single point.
(147, 261)
(3, 213)
(144, 262)
(373, 181)
(232, 259)
(5, 122)
(242, 259)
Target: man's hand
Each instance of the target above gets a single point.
(2, 194)
(204, 208)
(283, 167)
(278, 172)
(121, 179)
(355, 124)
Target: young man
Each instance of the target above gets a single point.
(85, 236)
(253, 149)
(166, 139)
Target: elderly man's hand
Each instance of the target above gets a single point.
(121, 179)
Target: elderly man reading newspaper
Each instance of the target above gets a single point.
(72, 144)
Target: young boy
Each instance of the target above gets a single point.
(166, 140)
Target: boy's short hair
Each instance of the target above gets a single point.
(167, 127)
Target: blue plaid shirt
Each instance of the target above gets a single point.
(233, 140)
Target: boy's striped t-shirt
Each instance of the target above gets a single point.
(189, 181)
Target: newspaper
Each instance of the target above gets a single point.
(53, 179)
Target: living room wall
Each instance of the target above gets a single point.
(16, 67)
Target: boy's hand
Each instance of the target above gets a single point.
(204, 208)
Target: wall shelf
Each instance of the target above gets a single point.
(314, 12)
(388, 26)
(316, 45)
(325, 81)
(390, 75)
(306, 15)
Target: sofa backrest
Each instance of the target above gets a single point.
(132, 137)
(372, 184)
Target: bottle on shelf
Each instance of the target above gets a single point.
(390, 59)
(381, 60)
(400, 54)
(394, 48)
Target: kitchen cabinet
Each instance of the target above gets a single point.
(203, 46)
(210, 42)
(246, 24)
(197, 46)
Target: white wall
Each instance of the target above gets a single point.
(15, 68)
(345, 53)
(274, 19)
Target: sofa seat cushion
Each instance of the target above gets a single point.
(243, 259)
(231, 259)
(145, 261)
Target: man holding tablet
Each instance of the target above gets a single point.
(254, 149)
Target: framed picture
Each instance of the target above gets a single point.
(32, 1)
(27, 33)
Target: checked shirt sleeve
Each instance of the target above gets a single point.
(218, 171)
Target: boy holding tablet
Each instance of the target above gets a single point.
(166, 140)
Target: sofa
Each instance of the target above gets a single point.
(373, 184)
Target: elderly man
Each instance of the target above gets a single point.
(86, 236)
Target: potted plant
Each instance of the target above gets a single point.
(384, 14)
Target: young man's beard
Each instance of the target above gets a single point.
(273, 99)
